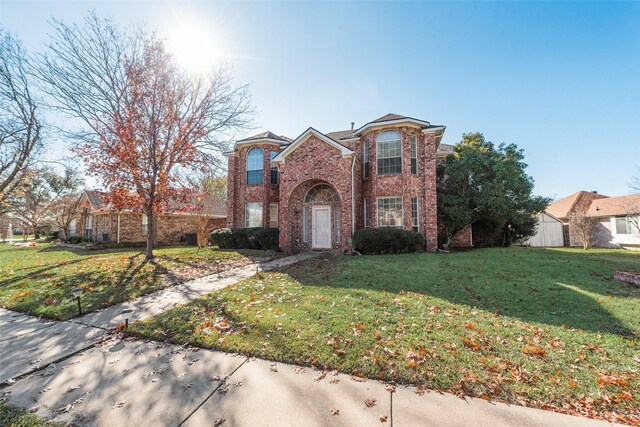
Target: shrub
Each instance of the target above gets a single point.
(78, 239)
(387, 241)
(246, 238)
(222, 238)
(267, 238)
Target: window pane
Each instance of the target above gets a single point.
(390, 212)
(366, 213)
(273, 215)
(621, 226)
(274, 169)
(389, 152)
(414, 214)
(253, 214)
(254, 166)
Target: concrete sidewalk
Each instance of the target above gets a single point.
(165, 299)
(134, 383)
(75, 372)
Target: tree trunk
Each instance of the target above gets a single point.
(151, 233)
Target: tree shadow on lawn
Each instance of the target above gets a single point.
(103, 287)
(534, 285)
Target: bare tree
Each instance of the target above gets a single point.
(583, 225)
(635, 181)
(32, 202)
(209, 191)
(20, 124)
(147, 121)
(63, 212)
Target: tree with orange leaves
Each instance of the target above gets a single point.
(148, 122)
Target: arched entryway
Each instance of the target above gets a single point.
(321, 217)
(313, 217)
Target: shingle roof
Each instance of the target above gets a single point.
(340, 134)
(623, 205)
(265, 135)
(97, 199)
(562, 208)
(445, 148)
(390, 116)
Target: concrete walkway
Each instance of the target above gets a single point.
(76, 372)
(165, 299)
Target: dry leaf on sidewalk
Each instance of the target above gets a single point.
(119, 404)
(383, 418)
(335, 411)
(391, 388)
(219, 422)
(370, 402)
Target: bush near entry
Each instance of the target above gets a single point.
(387, 241)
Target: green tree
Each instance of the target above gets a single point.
(486, 187)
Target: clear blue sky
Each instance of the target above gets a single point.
(561, 80)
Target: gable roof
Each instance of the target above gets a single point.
(390, 116)
(280, 158)
(267, 136)
(610, 206)
(393, 118)
(340, 134)
(97, 199)
(564, 207)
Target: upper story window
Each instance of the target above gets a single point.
(254, 166)
(414, 155)
(274, 169)
(389, 152)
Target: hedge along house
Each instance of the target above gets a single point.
(99, 221)
(318, 189)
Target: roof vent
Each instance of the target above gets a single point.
(352, 125)
(594, 192)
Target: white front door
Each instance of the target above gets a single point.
(321, 227)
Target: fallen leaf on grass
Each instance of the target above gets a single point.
(370, 402)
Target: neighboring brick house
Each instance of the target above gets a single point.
(617, 221)
(321, 187)
(563, 209)
(100, 222)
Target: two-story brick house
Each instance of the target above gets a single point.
(321, 187)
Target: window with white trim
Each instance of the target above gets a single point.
(273, 215)
(253, 214)
(273, 175)
(626, 225)
(414, 214)
(414, 155)
(366, 213)
(145, 225)
(254, 166)
(88, 227)
(390, 212)
(389, 152)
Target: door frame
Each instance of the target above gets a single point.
(313, 226)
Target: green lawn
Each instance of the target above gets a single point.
(542, 328)
(39, 280)
(10, 416)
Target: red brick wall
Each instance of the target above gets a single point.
(240, 193)
(316, 161)
(406, 185)
(313, 162)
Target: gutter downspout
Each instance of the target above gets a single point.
(118, 239)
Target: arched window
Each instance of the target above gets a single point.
(255, 163)
(389, 152)
(322, 193)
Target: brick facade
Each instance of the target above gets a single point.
(316, 159)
